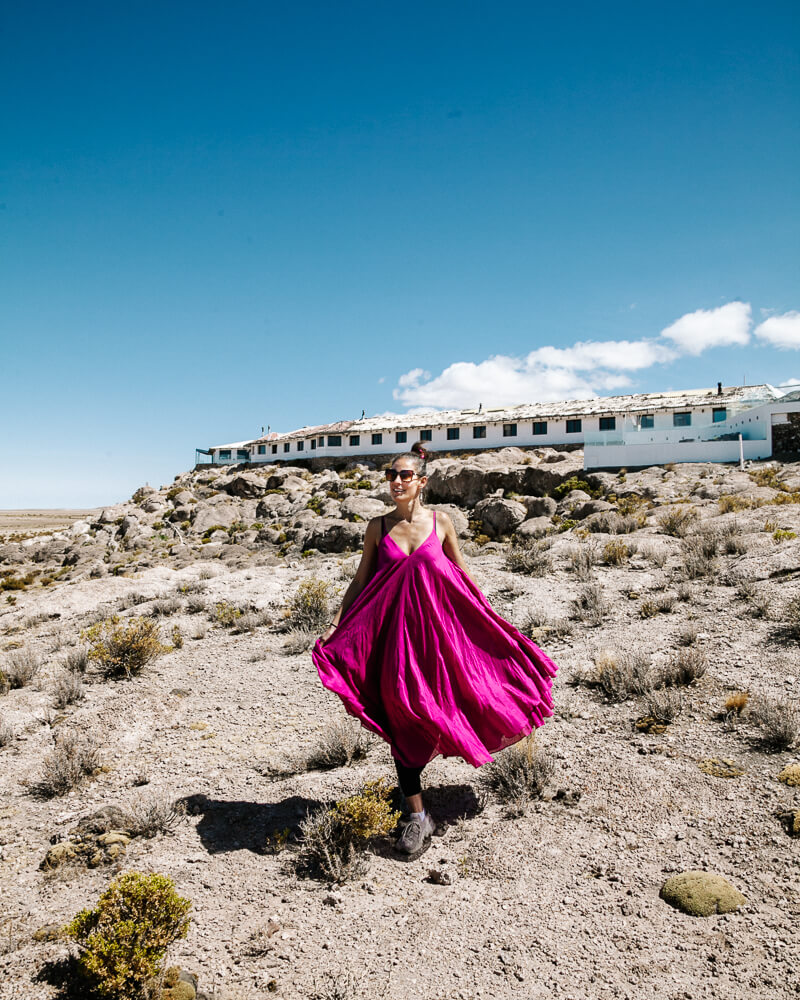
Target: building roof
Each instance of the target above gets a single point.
(733, 397)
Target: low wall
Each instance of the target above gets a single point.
(629, 456)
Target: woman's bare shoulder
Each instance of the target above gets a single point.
(443, 517)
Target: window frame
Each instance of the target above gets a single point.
(682, 423)
(479, 432)
(539, 424)
(609, 422)
(453, 433)
(571, 428)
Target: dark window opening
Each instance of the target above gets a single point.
(355, 440)
(453, 433)
(334, 440)
(401, 437)
(377, 438)
(608, 423)
(540, 427)
(479, 432)
(574, 426)
(426, 435)
(681, 419)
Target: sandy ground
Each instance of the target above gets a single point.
(36, 521)
(563, 902)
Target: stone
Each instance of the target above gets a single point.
(141, 493)
(499, 515)
(58, 855)
(590, 507)
(467, 482)
(361, 508)
(539, 506)
(272, 506)
(535, 527)
(334, 535)
(207, 516)
(246, 484)
(701, 894)
(791, 822)
(102, 821)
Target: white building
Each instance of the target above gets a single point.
(697, 425)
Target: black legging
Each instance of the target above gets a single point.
(409, 778)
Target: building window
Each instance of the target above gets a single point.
(313, 443)
(355, 440)
(608, 423)
(320, 440)
(243, 455)
(274, 449)
(401, 437)
(681, 419)
(540, 427)
(509, 430)
(300, 445)
(718, 414)
(646, 422)
(334, 440)
(426, 435)
(453, 433)
(377, 438)
(262, 449)
(573, 427)
(479, 432)
(225, 453)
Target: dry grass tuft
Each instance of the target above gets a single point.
(338, 745)
(73, 759)
(7, 733)
(590, 605)
(684, 667)
(21, 667)
(299, 640)
(67, 689)
(152, 812)
(620, 676)
(530, 556)
(310, 607)
(582, 559)
(677, 520)
(76, 661)
(736, 703)
(778, 720)
(617, 552)
(518, 775)
(664, 705)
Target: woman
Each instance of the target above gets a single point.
(418, 655)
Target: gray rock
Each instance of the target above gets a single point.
(334, 535)
(206, 516)
(539, 506)
(500, 516)
(362, 508)
(466, 483)
(535, 527)
(272, 506)
(246, 484)
(591, 507)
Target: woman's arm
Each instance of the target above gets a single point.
(450, 543)
(362, 577)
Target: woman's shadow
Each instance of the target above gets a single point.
(229, 825)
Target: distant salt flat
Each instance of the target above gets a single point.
(41, 519)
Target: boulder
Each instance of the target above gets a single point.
(110, 515)
(79, 528)
(155, 506)
(246, 484)
(535, 527)
(183, 498)
(272, 506)
(590, 507)
(141, 493)
(181, 514)
(206, 516)
(466, 483)
(358, 508)
(701, 894)
(500, 516)
(539, 506)
(130, 525)
(334, 535)
(457, 516)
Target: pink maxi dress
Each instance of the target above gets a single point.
(422, 659)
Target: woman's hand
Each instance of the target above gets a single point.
(327, 634)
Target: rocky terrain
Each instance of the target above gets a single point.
(669, 597)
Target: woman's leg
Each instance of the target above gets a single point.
(410, 785)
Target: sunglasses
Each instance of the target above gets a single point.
(406, 475)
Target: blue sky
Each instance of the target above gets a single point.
(218, 217)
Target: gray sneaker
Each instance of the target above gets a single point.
(413, 838)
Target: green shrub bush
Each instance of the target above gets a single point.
(124, 939)
(123, 648)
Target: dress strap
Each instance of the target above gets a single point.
(434, 521)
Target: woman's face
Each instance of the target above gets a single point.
(411, 489)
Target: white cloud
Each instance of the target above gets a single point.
(789, 383)
(725, 326)
(781, 331)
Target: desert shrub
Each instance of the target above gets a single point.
(226, 614)
(123, 648)
(530, 556)
(697, 561)
(768, 476)
(664, 705)
(677, 520)
(760, 606)
(299, 640)
(656, 554)
(790, 620)
(338, 745)
(200, 630)
(72, 760)
(607, 522)
(333, 839)
(616, 552)
(249, 621)
(124, 939)
(582, 559)
(132, 599)
(573, 483)
(21, 666)
(534, 624)
(151, 813)
(684, 667)
(783, 535)
(76, 661)
(590, 605)
(684, 592)
(310, 607)
(67, 689)
(339, 985)
(518, 775)
(196, 605)
(165, 606)
(688, 636)
(778, 720)
(620, 676)
(6, 733)
(729, 503)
